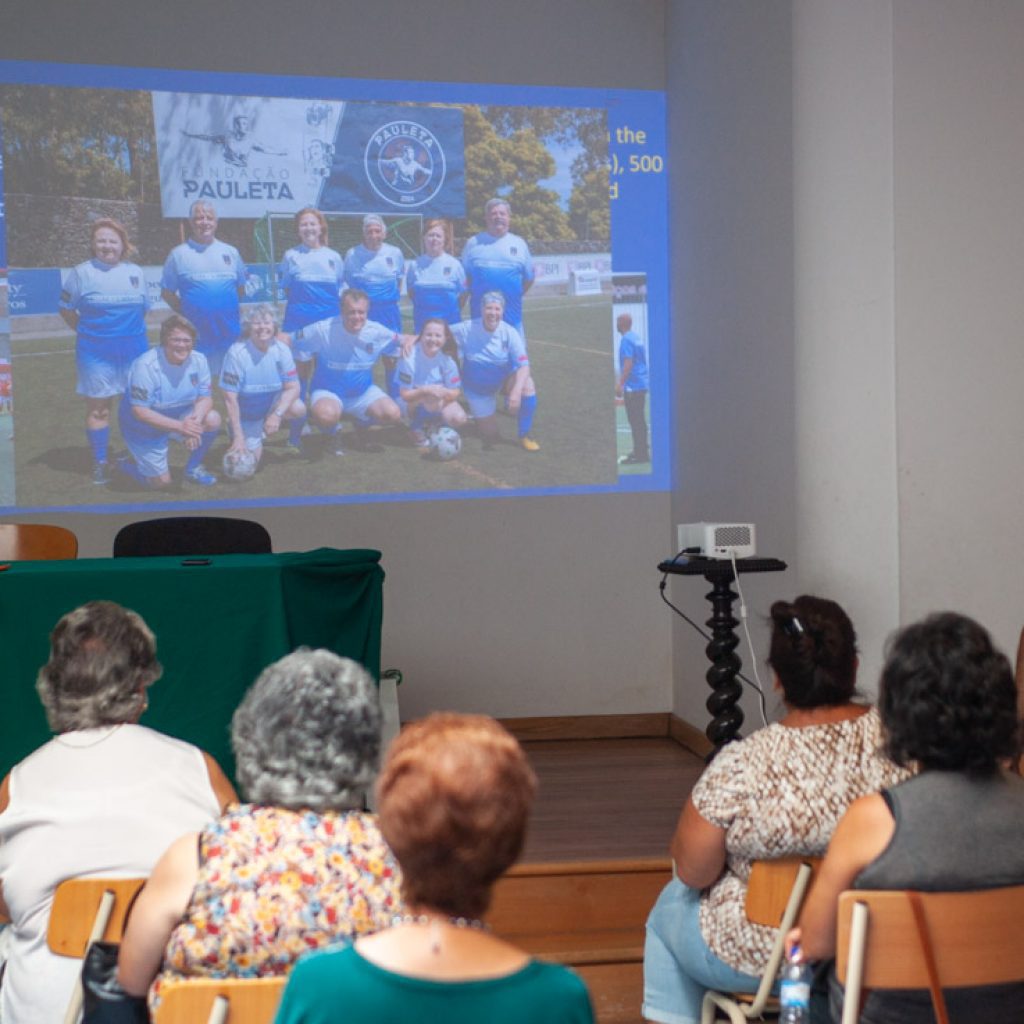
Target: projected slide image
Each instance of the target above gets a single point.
(632, 372)
(250, 215)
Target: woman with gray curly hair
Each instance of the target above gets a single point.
(104, 796)
(296, 868)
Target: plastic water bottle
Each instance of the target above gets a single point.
(795, 989)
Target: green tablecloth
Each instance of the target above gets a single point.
(217, 626)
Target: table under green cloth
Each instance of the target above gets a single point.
(217, 623)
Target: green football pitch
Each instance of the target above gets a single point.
(577, 426)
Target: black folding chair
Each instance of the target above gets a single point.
(192, 535)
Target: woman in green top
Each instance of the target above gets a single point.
(454, 798)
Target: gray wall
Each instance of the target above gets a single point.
(730, 147)
(848, 225)
(959, 226)
(524, 607)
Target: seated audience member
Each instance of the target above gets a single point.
(777, 793)
(104, 796)
(454, 795)
(949, 705)
(296, 868)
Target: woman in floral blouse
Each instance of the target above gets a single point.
(296, 868)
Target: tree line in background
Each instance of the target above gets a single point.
(101, 143)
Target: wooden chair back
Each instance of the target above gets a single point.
(33, 542)
(775, 893)
(83, 912)
(87, 910)
(975, 937)
(216, 1000)
(771, 885)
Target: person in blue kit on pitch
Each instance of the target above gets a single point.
(377, 267)
(260, 383)
(311, 275)
(346, 348)
(498, 261)
(168, 399)
(104, 301)
(204, 279)
(436, 281)
(632, 387)
(494, 357)
(430, 382)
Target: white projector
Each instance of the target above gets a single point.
(717, 540)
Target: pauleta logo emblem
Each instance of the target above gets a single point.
(405, 163)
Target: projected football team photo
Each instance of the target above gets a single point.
(232, 298)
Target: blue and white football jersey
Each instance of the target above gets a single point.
(206, 279)
(110, 301)
(379, 274)
(435, 284)
(498, 265)
(344, 361)
(155, 383)
(312, 281)
(418, 369)
(488, 357)
(257, 377)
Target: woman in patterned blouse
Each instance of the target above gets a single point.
(296, 868)
(778, 793)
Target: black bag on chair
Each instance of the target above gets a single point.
(104, 1001)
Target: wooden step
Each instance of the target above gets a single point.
(589, 915)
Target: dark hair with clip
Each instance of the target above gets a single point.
(814, 652)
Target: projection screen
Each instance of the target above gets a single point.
(577, 251)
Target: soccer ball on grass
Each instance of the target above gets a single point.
(445, 444)
(239, 465)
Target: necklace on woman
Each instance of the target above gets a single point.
(62, 738)
(433, 921)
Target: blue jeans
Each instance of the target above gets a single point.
(678, 966)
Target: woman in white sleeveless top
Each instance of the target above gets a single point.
(105, 796)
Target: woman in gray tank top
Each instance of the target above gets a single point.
(948, 703)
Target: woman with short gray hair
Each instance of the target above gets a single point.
(296, 868)
(377, 267)
(104, 796)
(307, 735)
(261, 391)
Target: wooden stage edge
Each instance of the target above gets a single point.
(603, 727)
(596, 857)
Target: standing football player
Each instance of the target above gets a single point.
(311, 273)
(204, 279)
(436, 281)
(498, 261)
(104, 301)
(377, 267)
